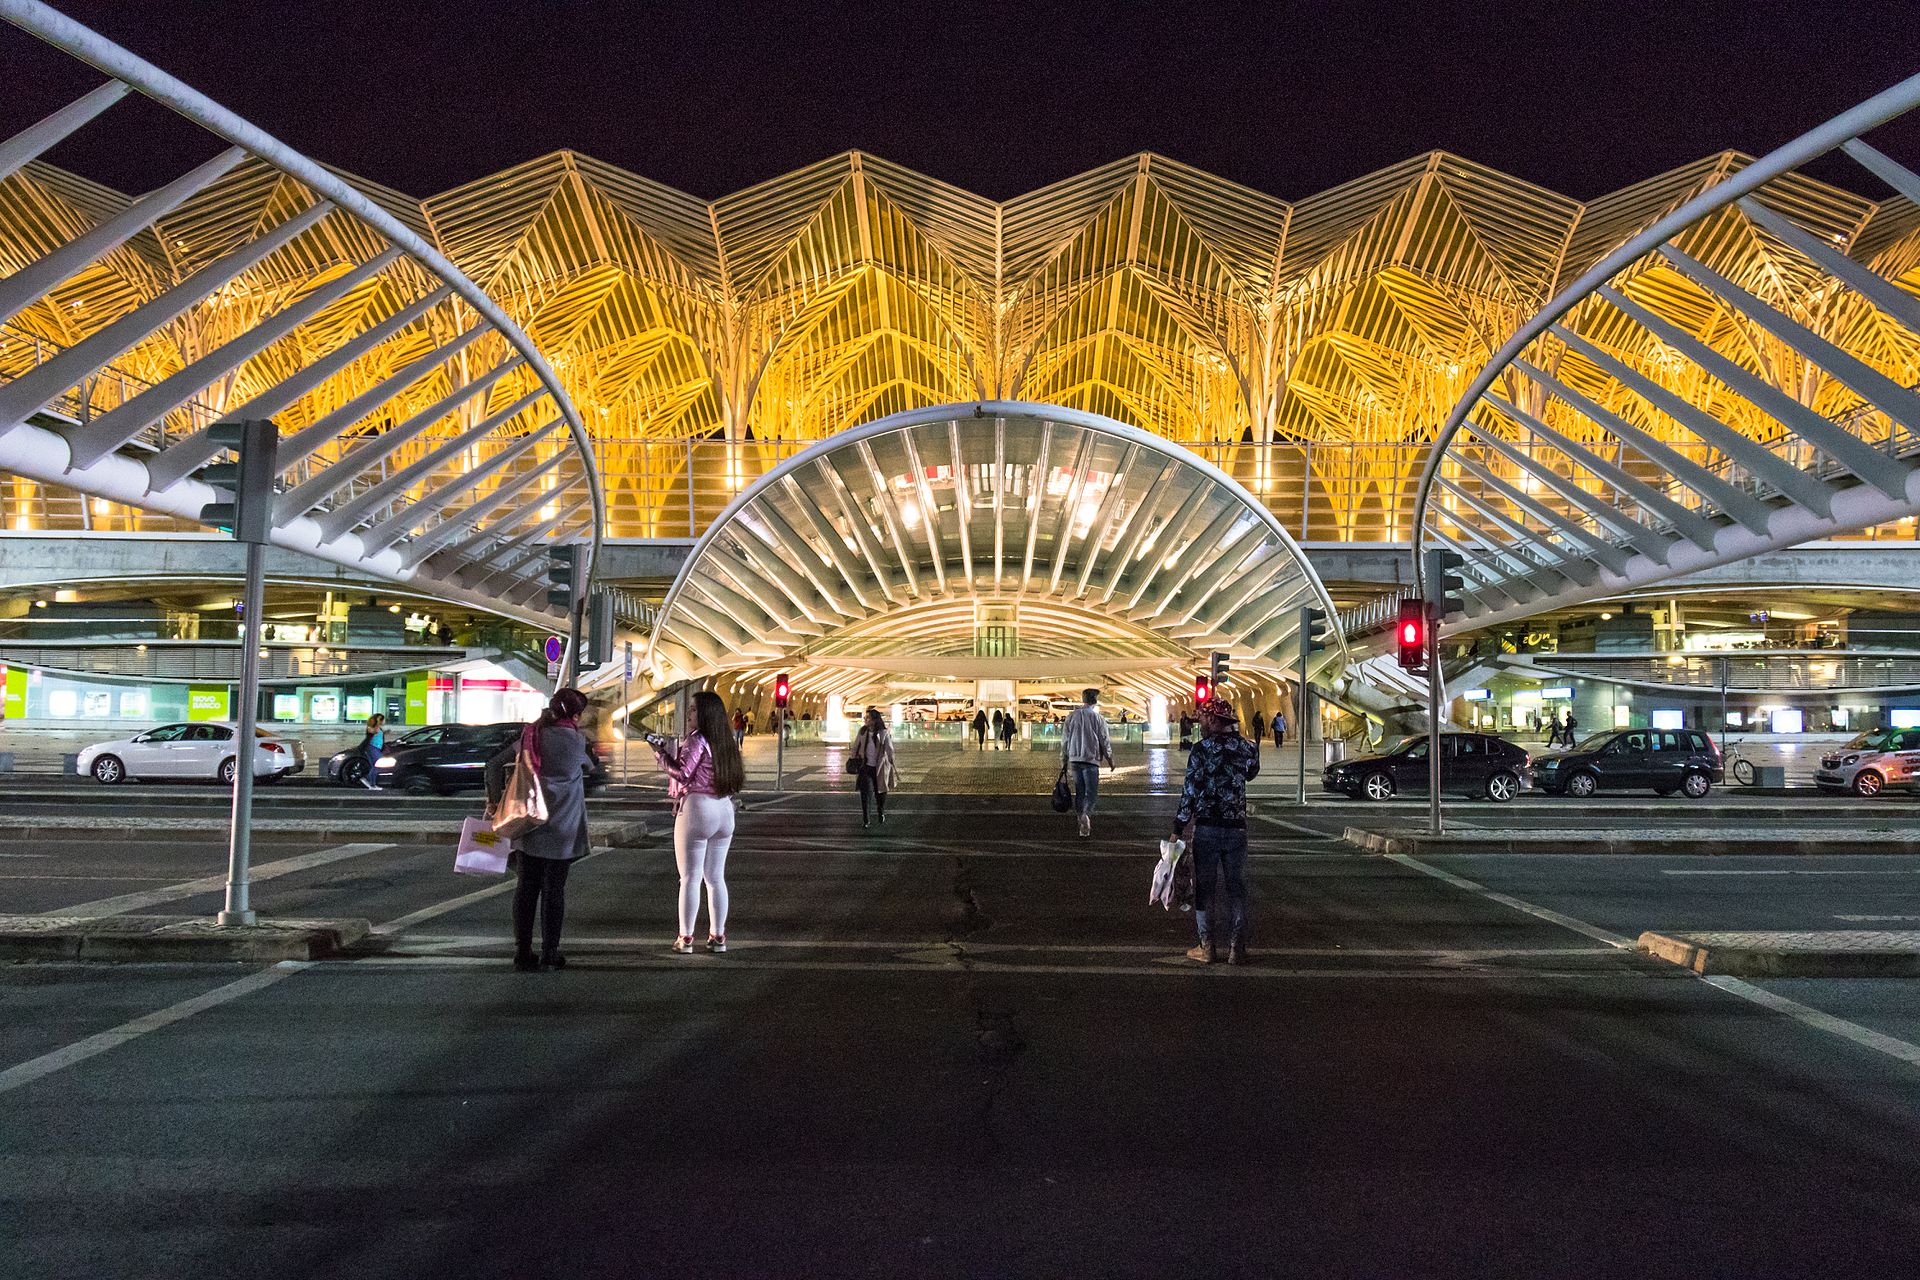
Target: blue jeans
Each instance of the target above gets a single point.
(1086, 786)
(1220, 851)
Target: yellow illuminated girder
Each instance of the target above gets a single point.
(1309, 349)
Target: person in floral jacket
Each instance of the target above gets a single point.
(1214, 804)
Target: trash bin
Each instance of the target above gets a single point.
(1336, 750)
(70, 763)
(1770, 775)
(6, 762)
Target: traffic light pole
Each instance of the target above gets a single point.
(1434, 743)
(239, 908)
(780, 750)
(1300, 730)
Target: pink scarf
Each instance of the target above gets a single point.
(530, 737)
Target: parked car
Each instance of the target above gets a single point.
(452, 757)
(348, 767)
(1872, 762)
(1475, 764)
(199, 749)
(1660, 760)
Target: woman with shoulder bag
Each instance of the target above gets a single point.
(556, 751)
(872, 753)
(704, 773)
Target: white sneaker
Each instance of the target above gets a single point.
(1086, 825)
(684, 944)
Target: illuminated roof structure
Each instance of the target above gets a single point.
(1310, 349)
(1677, 408)
(983, 539)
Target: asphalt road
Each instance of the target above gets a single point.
(957, 1045)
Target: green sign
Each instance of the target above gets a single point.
(14, 706)
(208, 702)
(417, 699)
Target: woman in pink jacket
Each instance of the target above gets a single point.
(704, 773)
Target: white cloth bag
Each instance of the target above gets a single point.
(482, 851)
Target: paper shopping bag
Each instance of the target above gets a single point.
(482, 852)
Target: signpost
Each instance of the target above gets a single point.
(626, 730)
(555, 647)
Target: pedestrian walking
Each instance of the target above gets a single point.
(1009, 726)
(1186, 729)
(370, 748)
(1259, 727)
(1085, 744)
(993, 728)
(1566, 730)
(872, 751)
(739, 728)
(557, 752)
(1553, 729)
(1279, 730)
(980, 727)
(704, 773)
(1213, 806)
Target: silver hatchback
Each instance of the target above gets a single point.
(1872, 762)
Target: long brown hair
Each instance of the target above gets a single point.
(710, 719)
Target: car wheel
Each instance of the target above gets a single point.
(353, 772)
(227, 770)
(1865, 783)
(1377, 786)
(1696, 785)
(1581, 785)
(109, 770)
(1502, 787)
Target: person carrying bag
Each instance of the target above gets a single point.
(872, 755)
(537, 795)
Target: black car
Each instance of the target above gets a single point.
(1659, 760)
(348, 767)
(444, 758)
(1476, 764)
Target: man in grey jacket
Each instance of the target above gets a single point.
(1085, 744)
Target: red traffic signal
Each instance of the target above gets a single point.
(1202, 690)
(1410, 635)
(781, 691)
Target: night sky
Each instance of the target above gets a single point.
(999, 98)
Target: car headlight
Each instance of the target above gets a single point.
(384, 762)
(1849, 759)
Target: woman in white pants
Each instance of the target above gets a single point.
(704, 773)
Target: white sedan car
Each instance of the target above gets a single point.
(203, 750)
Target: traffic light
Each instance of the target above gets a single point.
(1311, 641)
(250, 479)
(1410, 634)
(1442, 584)
(781, 691)
(1219, 672)
(599, 640)
(1202, 690)
(563, 576)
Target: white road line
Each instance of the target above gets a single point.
(989, 948)
(1540, 913)
(1292, 826)
(1870, 919)
(79, 1051)
(25, 855)
(1805, 1014)
(213, 884)
(1864, 1036)
(454, 904)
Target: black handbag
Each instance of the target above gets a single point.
(1062, 793)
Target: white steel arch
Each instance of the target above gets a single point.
(424, 437)
(1659, 417)
(884, 543)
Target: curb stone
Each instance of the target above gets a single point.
(1807, 843)
(1823, 953)
(173, 938)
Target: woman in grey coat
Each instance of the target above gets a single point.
(543, 856)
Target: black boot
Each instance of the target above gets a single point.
(523, 962)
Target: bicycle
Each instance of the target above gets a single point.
(1738, 767)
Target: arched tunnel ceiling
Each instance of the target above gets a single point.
(969, 526)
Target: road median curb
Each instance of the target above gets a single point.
(173, 938)
(1669, 843)
(1821, 953)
